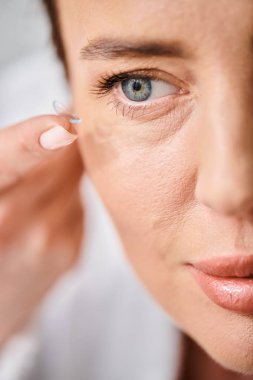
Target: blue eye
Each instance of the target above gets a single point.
(137, 89)
(141, 89)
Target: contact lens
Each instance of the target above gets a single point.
(61, 109)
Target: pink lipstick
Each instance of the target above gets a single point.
(227, 281)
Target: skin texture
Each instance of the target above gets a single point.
(178, 182)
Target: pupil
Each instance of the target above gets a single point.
(136, 86)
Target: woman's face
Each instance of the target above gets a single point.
(165, 91)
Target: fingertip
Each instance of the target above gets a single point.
(56, 137)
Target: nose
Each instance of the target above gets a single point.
(225, 146)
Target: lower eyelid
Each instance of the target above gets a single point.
(146, 111)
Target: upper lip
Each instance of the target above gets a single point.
(227, 266)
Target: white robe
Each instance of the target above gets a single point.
(98, 322)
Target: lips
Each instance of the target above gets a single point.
(227, 281)
(231, 266)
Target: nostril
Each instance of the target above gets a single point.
(229, 206)
(229, 202)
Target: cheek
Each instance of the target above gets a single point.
(145, 178)
(148, 192)
(145, 187)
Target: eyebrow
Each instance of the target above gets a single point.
(105, 48)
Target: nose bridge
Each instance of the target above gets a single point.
(225, 170)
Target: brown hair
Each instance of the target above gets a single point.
(52, 11)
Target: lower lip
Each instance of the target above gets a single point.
(231, 293)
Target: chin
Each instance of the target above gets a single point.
(231, 344)
(241, 364)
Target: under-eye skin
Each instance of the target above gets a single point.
(142, 93)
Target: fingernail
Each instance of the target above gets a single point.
(56, 137)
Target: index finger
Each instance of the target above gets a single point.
(27, 144)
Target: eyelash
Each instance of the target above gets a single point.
(106, 84)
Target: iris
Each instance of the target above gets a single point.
(137, 89)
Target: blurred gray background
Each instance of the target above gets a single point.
(23, 29)
(31, 76)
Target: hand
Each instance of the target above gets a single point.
(41, 216)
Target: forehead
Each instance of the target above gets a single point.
(189, 19)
